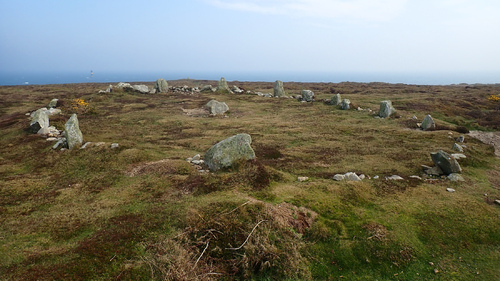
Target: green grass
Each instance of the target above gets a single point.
(141, 212)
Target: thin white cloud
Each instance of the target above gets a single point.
(369, 10)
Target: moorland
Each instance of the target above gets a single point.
(142, 212)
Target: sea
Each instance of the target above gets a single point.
(421, 78)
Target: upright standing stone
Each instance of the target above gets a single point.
(229, 151)
(336, 100)
(39, 120)
(279, 91)
(53, 103)
(386, 109)
(222, 85)
(72, 132)
(447, 163)
(161, 86)
(428, 124)
(307, 95)
(345, 104)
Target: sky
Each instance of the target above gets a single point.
(226, 36)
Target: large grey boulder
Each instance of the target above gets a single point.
(74, 136)
(53, 103)
(222, 85)
(216, 107)
(386, 109)
(124, 86)
(39, 120)
(447, 163)
(307, 95)
(208, 88)
(336, 100)
(428, 124)
(143, 89)
(345, 104)
(229, 151)
(279, 91)
(161, 86)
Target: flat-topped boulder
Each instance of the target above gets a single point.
(229, 151)
(447, 163)
(216, 108)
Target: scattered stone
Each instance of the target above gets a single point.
(216, 108)
(53, 103)
(446, 162)
(161, 86)
(345, 104)
(428, 124)
(53, 111)
(114, 145)
(302, 179)
(39, 120)
(279, 91)
(85, 145)
(497, 202)
(222, 85)
(386, 109)
(225, 153)
(414, 118)
(124, 86)
(458, 156)
(197, 162)
(450, 190)
(455, 177)
(436, 271)
(394, 177)
(49, 132)
(415, 177)
(72, 132)
(307, 95)
(52, 139)
(457, 147)
(196, 157)
(336, 100)
(376, 177)
(208, 88)
(460, 139)
(339, 177)
(362, 177)
(433, 171)
(61, 142)
(237, 90)
(143, 89)
(352, 177)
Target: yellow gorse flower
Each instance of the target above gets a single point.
(494, 97)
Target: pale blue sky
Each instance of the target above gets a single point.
(250, 35)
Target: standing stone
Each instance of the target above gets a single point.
(161, 86)
(457, 147)
(345, 104)
(72, 132)
(386, 109)
(336, 100)
(215, 107)
(447, 163)
(428, 124)
(53, 103)
(307, 95)
(225, 153)
(279, 91)
(39, 120)
(222, 85)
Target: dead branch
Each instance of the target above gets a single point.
(248, 237)
(208, 242)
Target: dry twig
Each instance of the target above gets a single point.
(248, 237)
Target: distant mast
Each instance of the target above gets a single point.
(91, 73)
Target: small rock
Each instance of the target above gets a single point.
(460, 139)
(114, 145)
(394, 177)
(457, 147)
(436, 271)
(428, 124)
(450, 190)
(60, 142)
(197, 162)
(458, 156)
(414, 118)
(455, 177)
(53, 103)
(51, 139)
(497, 202)
(336, 100)
(352, 177)
(339, 177)
(376, 177)
(302, 179)
(196, 157)
(345, 104)
(85, 145)
(415, 177)
(362, 176)
(433, 171)
(307, 95)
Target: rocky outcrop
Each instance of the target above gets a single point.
(386, 109)
(161, 86)
(279, 91)
(216, 108)
(229, 151)
(428, 124)
(307, 96)
(447, 163)
(74, 136)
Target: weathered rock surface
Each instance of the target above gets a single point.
(222, 85)
(208, 88)
(53, 103)
(279, 91)
(143, 89)
(428, 124)
(39, 120)
(457, 147)
(307, 95)
(394, 178)
(124, 86)
(216, 108)
(161, 86)
(386, 109)
(460, 139)
(339, 177)
(229, 151)
(74, 136)
(336, 100)
(237, 90)
(446, 162)
(345, 104)
(455, 177)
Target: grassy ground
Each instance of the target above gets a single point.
(142, 212)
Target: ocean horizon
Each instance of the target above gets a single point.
(12, 79)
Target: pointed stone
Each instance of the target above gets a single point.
(446, 162)
(336, 100)
(386, 109)
(74, 136)
(428, 124)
